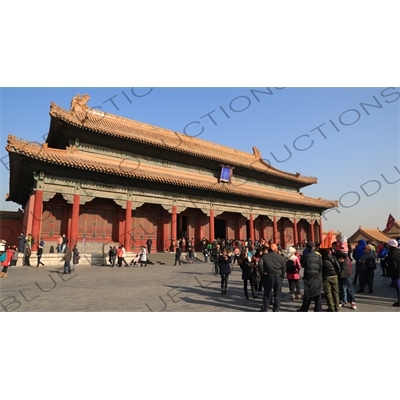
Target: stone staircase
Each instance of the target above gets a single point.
(99, 259)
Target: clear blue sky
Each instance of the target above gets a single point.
(349, 164)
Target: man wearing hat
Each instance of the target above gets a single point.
(312, 279)
(393, 267)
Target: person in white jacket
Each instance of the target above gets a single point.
(143, 257)
(123, 255)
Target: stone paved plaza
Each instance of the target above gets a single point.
(189, 287)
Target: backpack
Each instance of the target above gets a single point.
(290, 267)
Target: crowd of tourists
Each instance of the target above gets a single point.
(265, 265)
(11, 254)
(326, 271)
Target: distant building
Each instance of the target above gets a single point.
(394, 231)
(374, 235)
(101, 178)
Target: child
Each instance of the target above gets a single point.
(134, 262)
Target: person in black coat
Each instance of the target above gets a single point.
(247, 274)
(273, 267)
(312, 278)
(393, 267)
(224, 263)
(21, 243)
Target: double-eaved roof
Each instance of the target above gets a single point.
(115, 126)
(66, 125)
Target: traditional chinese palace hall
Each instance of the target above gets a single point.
(101, 178)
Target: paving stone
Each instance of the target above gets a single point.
(158, 288)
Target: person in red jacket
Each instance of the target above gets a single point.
(120, 256)
(6, 262)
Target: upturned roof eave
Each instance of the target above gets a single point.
(253, 162)
(19, 148)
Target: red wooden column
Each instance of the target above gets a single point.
(74, 221)
(128, 225)
(275, 229)
(211, 225)
(321, 235)
(251, 227)
(296, 239)
(37, 217)
(312, 230)
(173, 223)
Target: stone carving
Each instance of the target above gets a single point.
(79, 103)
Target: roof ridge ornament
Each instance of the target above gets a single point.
(256, 152)
(79, 105)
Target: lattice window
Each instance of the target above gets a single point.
(144, 225)
(52, 221)
(95, 223)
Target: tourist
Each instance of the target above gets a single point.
(149, 244)
(64, 243)
(256, 270)
(112, 256)
(330, 273)
(346, 293)
(357, 254)
(190, 255)
(67, 260)
(123, 255)
(143, 257)
(178, 253)
(59, 243)
(205, 254)
(75, 257)
(224, 263)
(29, 240)
(293, 267)
(6, 262)
(367, 269)
(27, 255)
(382, 254)
(272, 265)
(247, 274)
(393, 267)
(14, 258)
(236, 254)
(215, 255)
(21, 243)
(39, 255)
(119, 256)
(312, 279)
